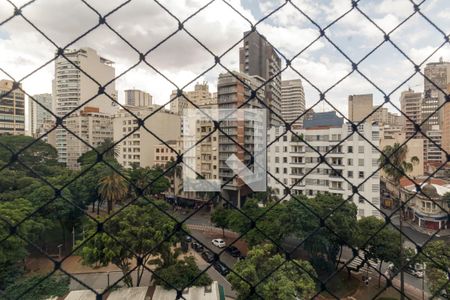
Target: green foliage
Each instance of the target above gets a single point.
(142, 177)
(394, 162)
(112, 189)
(40, 157)
(139, 229)
(181, 274)
(437, 268)
(220, 217)
(34, 289)
(107, 147)
(293, 280)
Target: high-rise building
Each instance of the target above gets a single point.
(72, 88)
(93, 126)
(258, 58)
(446, 126)
(430, 113)
(231, 94)
(437, 78)
(137, 98)
(349, 161)
(138, 146)
(433, 153)
(292, 102)
(410, 103)
(12, 109)
(359, 107)
(37, 114)
(384, 117)
(199, 97)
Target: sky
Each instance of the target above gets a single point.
(145, 24)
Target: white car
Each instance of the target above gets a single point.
(218, 243)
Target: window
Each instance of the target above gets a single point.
(277, 159)
(284, 170)
(360, 149)
(284, 138)
(361, 212)
(285, 160)
(285, 149)
(350, 174)
(361, 174)
(350, 162)
(361, 162)
(277, 170)
(350, 149)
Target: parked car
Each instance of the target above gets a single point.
(188, 238)
(208, 256)
(234, 251)
(218, 243)
(221, 268)
(197, 247)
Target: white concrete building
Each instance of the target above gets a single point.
(298, 166)
(292, 102)
(138, 98)
(92, 126)
(72, 88)
(138, 147)
(37, 114)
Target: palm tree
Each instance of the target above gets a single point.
(112, 189)
(395, 165)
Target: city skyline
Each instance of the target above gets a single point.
(322, 64)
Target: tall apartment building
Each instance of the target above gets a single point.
(258, 58)
(289, 160)
(138, 98)
(384, 117)
(410, 103)
(437, 78)
(292, 102)
(12, 109)
(446, 125)
(138, 148)
(433, 153)
(430, 113)
(359, 107)
(231, 94)
(93, 126)
(71, 88)
(37, 114)
(200, 96)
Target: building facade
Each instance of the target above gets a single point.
(437, 78)
(138, 98)
(292, 102)
(446, 127)
(410, 103)
(138, 145)
(92, 126)
(359, 107)
(258, 58)
(297, 165)
(72, 88)
(384, 117)
(12, 109)
(37, 114)
(231, 94)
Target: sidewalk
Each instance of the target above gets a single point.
(430, 232)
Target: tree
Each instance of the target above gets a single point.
(436, 255)
(31, 288)
(220, 218)
(112, 189)
(149, 179)
(394, 164)
(40, 156)
(137, 229)
(181, 274)
(107, 147)
(267, 197)
(13, 249)
(293, 280)
(379, 244)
